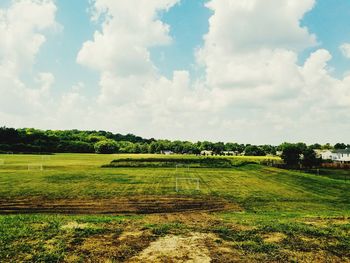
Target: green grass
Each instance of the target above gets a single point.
(255, 187)
(340, 174)
(311, 212)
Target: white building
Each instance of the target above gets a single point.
(336, 155)
(167, 152)
(206, 153)
(230, 153)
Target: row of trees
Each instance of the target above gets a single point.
(299, 154)
(75, 141)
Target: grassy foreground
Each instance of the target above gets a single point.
(276, 215)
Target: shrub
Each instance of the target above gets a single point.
(106, 147)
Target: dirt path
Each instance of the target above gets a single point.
(134, 205)
(173, 248)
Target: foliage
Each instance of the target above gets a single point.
(253, 150)
(172, 162)
(106, 147)
(309, 158)
(340, 146)
(291, 154)
(28, 140)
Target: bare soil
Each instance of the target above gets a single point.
(173, 248)
(120, 205)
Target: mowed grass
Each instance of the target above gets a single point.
(253, 186)
(285, 215)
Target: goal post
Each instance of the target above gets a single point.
(45, 157)
(35, 166)
(179, 179)
(180, 165)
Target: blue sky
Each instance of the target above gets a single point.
(259, 76)
(330, 21)
(188, 21)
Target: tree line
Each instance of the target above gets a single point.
(29, 140)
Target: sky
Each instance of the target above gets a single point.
(248, 71)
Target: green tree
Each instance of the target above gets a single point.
(340, 146)
(253, 150)
(309, 158)
(106, 147)
(291, 154)
(315, 146)
(327, 146)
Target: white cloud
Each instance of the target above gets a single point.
(130, 28)
(239, 26)
(253, 88)
(250, 57)
(22, 28)
(252, 45)
(345, 49)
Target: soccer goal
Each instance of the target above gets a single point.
(45, 158)
(181, 182)
(35, 166)
(182, 166)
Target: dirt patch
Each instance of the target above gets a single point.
(121, 205)
(128, 235)
(111, 247)
(197, 219)
(74, 225)
(274, 237)
(324, 222)
(172, 248)
(311, 257)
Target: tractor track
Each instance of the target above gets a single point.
(121, 205)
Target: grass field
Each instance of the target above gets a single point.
(75, 211)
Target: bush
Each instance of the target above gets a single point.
(106, 147)
(172, 162)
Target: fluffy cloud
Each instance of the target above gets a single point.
(120, 51)
(345, 49)
(22, 28)
(250, 57)
(252, 80)
(252, 45)
(130, 28)
(239, 26)
(253, 87)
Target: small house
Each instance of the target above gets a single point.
(339, 155)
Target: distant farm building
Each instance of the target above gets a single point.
(342, 156)
(167, 152)
(206, 153)
(230, 153)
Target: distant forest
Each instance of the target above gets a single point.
(29, 140)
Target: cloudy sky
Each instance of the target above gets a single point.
(250, 71)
